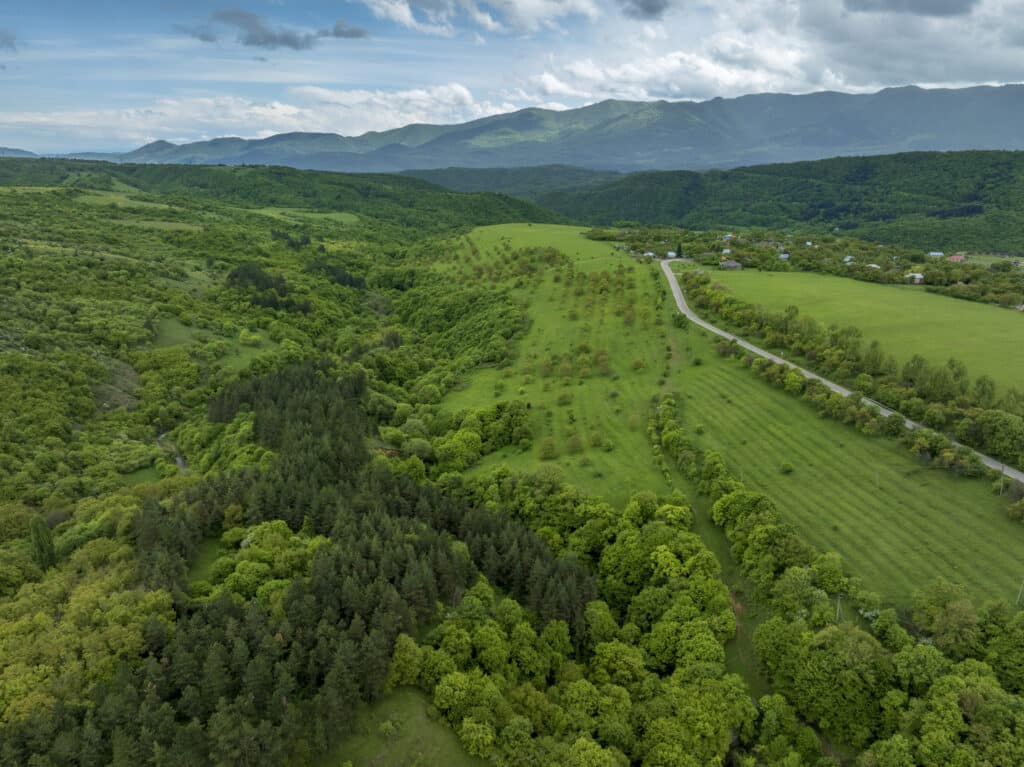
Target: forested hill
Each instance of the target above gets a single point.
(648, 135)
(931, 200)
(525, 183)
(407, 202)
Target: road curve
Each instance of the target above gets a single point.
(677, 293)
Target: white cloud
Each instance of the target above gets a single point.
(364, 110)
(441, 16)
(308, 108)
(735, 47)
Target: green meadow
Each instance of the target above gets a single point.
(596, 423)
(905, 319)
(897, 524)
(400, 731)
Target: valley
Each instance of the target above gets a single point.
(362, 470)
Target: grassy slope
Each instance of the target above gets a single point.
(897, 524)
(417, 740)
(628, 467)
(905, 319)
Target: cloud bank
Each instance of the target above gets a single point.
(253, 31)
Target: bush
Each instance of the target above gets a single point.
(548, 451)
(786, 468)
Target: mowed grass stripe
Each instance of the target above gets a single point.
(858, 502)
(811, 513)
(919, 525)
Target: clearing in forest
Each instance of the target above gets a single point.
(399, 731)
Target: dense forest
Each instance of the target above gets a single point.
(234, 509)
(925, 200)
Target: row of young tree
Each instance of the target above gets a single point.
(943, 397)
(945, 689)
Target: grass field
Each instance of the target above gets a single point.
(294, 215)
(171, 331)
(906, 320)
(897, 524)
(398, 732)
(612, 407)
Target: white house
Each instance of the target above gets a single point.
(874, 266)
(936, 253)
(671, 254)
(726, 251)
(784, 257)
(915, 277)
(847, 259)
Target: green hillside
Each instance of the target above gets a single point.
(408, 202)
(848, 492)
(526, 183)
(947, 201)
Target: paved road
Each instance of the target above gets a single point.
(677, 293)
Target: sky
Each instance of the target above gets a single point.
(100, 75)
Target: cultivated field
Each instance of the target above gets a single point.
(906, 320)
(897, 524)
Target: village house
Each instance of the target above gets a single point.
(915, 277)
(784, 257)
(847, 259)
(730, 264)
(874, 266)
(957, 259)
(671, 254)
(936, 253)
(726, 251)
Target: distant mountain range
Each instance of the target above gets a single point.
(660, 135)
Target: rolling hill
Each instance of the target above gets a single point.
(660, 135)
(399, 200)
(954, 201)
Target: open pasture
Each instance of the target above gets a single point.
(897, 524)
(906, 320)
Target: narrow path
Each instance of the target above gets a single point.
(178, 458)
(677, 293)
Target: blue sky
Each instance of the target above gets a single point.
(114, 75)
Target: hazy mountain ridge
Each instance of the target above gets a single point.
(630, 136)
